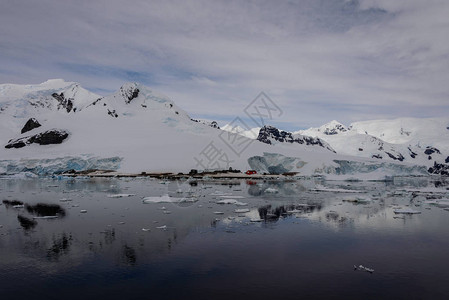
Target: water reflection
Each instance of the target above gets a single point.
(124, 233)
(26, 223)
(44, 209)
(60, 246)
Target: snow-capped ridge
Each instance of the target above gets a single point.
(134, 98)
(271, 135)
(331, 128)
(413, 140)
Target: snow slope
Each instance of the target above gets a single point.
(137, 130)
(251, 133)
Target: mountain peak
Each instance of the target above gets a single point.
(129, 91)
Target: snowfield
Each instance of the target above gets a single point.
(137, 130)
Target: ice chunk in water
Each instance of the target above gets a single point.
(363, 268)
(161, 199)
(231, 201)
(406, 211)
(120, 195)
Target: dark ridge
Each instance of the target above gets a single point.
(268, 132)
(398, 157)
(53, 136)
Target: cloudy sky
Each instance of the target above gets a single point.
(319, 60)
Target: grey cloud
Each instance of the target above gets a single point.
(354, 59)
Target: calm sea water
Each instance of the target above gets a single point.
(297, 239)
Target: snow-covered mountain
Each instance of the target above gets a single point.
(271, 135)
(57, 126)
(415, 140)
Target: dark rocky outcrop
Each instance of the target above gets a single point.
(112, 113)
(129, 93)
(54, 136)
(212, 124)
(431, 150)
(66, 103)
(269, 133)
(30, 125)
(335, 130)
(412, 154)
(441, 169)
(398, 156)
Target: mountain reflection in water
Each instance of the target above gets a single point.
(293, 238)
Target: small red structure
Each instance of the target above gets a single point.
(250, 172)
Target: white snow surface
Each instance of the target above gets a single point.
(138, 130)
(250, 133)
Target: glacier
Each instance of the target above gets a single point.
(50, 166)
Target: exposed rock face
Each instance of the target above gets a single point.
(129, 92)
(30, 125)
(431, 150)
(66, 103)
(268, 134)
(398, 156)
(335, 130)
(54, 136)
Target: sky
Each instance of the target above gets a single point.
(318, 60)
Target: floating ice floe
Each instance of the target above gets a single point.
(406, 211)
(357, 200)
(65, 199)
(164, 227)
(232, 201)
(362, 268)
(161, 199)
(439, 203)
(167, 199)
(218, 212)
(146, 229)
(256, 220)
(120, 195)
(19, 206)
(46, 217)
(220, 193)
(242, 210)
(230, 196)
(83, 211)
(324, 189)
(271, 190)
